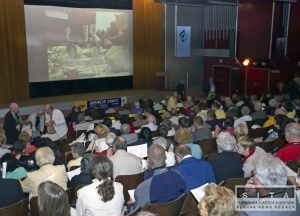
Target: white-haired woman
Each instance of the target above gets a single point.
(228, 164)
(47, 172)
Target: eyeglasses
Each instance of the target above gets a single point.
(200, 207)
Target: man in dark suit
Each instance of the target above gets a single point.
(10, 192)
(12, 123)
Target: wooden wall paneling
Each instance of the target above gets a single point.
(147, 44)
(13, 52)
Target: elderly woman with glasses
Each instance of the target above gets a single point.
(228, 164)
(217, 201)
(246, 147)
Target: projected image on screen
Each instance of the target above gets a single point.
(79, 43)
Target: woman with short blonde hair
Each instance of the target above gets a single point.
(102, 132)
(217, 201)
(44, 159)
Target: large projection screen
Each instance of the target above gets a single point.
(78, 43)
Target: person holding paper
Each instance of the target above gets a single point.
(55, 118)
(124, 163)
(77, 150)
(85, 176)
(163, 186)
(190, 168)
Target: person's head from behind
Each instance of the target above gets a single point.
(119, 143)
(11, 160)
(183, 122)
(269, 171)
(160, 141)
(198, 122)
(167, 123)
(138, 116)
(228, 122)
(20, 146)
(145, 133)
(211, 115)
(292, 132)
(110, 138)
(166, 115)
(280, 121)
(156, 156)
(102, 169)
(181, 151)
(102, 130)
(3, 139)
(162, 131)
(151, 119)
(225, 142)
(240, 130)
(44, 156)
(217, 201)
(245, 111)
(86, 163)
(183, 136)
(125, 129)
(288, 106)
(124, 119)
(77, 150)
(24, 136)
(47, 142)
(257, 105)
(107, 122)
(52, 200)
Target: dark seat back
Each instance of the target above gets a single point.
(129, 182)
(171, 208)
(208, 146)
(18, 209)
(190, 206)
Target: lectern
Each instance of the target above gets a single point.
(160, 80)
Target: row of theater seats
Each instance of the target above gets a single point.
(185, 205)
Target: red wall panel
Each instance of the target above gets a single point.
(254, 29)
